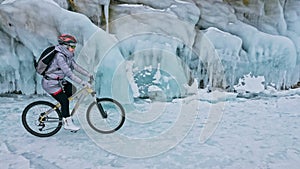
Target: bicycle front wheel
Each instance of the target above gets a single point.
(35, 121)
(107, 119)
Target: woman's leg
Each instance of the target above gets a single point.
(69, 88)
(62, 98)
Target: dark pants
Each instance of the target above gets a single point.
(62, 97)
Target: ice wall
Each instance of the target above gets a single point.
(241, 47)
(267, 16)
(26, 28)
(146, 41)
(271, 55)
(94, 9)
(216, 42)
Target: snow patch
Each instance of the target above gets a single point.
(250, 84)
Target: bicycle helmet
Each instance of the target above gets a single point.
(66, 39)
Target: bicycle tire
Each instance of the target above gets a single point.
(52, 118)
(112, 107)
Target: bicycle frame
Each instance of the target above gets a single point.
(81, 97)
(79, 93)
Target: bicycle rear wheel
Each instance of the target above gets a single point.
(45, 127)
(115, 116)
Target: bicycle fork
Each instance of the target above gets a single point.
(100, 108)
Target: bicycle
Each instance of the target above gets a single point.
(44, 119)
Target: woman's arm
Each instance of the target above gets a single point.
(80, 69)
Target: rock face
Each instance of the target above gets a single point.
(216, 41)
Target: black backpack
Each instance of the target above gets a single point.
(45, 60)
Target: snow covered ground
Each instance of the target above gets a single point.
(260, 132)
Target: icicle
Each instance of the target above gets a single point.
(99, 20)
(106, 12)
(12, 44)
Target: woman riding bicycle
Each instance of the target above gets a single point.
(62, 66)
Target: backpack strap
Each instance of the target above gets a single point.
(47, 77)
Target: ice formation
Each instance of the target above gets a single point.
(91, 8)
(24, 37)
(170, 43)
